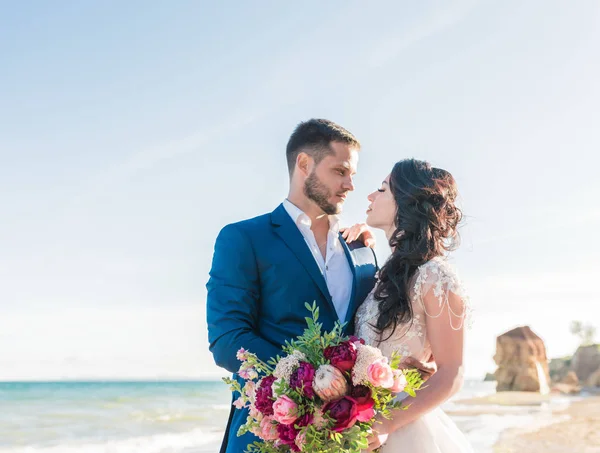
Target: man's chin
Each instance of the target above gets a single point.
(330, 208)
(335, 209)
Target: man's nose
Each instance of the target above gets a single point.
(349, 184)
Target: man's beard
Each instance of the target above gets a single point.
(316, 191)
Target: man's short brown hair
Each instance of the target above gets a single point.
(314, 138)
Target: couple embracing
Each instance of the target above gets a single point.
(265, 269)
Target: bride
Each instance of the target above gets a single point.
(418, 307)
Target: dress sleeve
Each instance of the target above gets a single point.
(438, 278)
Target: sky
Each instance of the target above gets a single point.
(132, 132)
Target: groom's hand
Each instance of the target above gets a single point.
(427, 369)
(359, 232)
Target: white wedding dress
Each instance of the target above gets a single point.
(434, 432)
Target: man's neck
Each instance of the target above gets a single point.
(319, 219)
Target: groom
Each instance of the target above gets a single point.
(266, 268)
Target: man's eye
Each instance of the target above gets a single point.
(341, 172)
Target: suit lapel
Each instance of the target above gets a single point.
(353, 268)
(285, 228)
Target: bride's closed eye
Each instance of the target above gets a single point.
(381, 190)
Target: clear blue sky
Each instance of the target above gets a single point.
(131, 132)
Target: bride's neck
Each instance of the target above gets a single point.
(389, 232)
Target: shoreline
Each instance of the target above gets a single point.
(548, 423)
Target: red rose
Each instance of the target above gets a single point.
(264, 396)
(364, 402)
(342, 356)
(344, 412)
(355, 339)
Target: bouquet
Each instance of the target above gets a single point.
(323, 396)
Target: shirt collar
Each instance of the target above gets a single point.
(300, 218)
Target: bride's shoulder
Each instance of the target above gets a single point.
(440, 273)
(439, 266)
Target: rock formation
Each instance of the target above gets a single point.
(586, 362)
(522, 362)
(594, 379)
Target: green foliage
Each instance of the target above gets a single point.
(263, 447)
(313, 341)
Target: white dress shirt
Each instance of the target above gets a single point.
(335, 267)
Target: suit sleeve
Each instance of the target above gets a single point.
(233, 301)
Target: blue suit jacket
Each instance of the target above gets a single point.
(262, 274)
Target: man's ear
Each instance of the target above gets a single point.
(304, 164)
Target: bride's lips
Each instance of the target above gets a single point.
(369, 209)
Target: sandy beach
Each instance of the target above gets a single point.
(569, 424)
(576, 430)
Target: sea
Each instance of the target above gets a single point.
(171, 417)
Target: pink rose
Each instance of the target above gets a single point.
(268, 429)
(285, 410)
(399, 382)
(380, 374)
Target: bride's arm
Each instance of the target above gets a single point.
(445, 331)
(446, 336)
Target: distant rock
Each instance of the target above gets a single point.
(586, 363)
(522, 362)
(594, 379)
(559, 368)
(489, 377)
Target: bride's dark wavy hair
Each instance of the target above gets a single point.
(426, 224)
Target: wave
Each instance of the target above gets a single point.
(195, 441)
(220, 407)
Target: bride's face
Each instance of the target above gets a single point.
(382, 209)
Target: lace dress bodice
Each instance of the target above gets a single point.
(410, 339)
